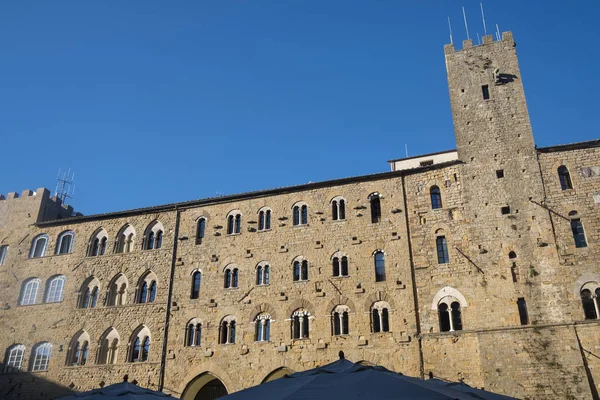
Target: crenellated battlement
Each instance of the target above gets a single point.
(38, 204)
(507, 38)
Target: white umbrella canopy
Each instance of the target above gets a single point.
(119, 391)
(346, 380)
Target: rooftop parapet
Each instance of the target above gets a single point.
(507, 37)
(39, 202)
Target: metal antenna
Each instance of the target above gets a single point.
(65, 187)
(466, 26)
(497, 32)
(483, 19)
(406, 149)
(450, 28)
(478, 41)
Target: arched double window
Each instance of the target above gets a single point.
(375, 202)
(340, 324)
(262, 327)
(264, 219)
(108, 347)
(64, 243)
(55, 289)
(300, 214)
(450, 314)
(97, 245)
(379, 259)
(14, 358)
(234, 223)
(565, 178)
(29, 292)
(589, 300)
(339, 265)
(436, 197)
(577, 230)
(153, 236)
(231, 276)
(140, 345)
(200, 229)
(227, 330)
(125, 240)
(193, 333)
(147, 288)
(300, 269)
(38, 246)
(117, 291)
(300, 324)
(196, 281)
(78, 349)
(441, 246)
(263, 272)
(88, 295)
(338, 208)
(380, 317)
(40, 356)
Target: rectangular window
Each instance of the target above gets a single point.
(505, 210)
(442, 250)
(499, 173)
(485, 89)
(426, 163)
(578, 233)
(523, 311)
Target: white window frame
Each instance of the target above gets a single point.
(29, 296)
(14, 358)
(34, 244)
(55, 289)
(41, 356)
(59, 242)
(337, 205)
(261, 320)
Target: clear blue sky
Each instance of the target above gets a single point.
(152, 102)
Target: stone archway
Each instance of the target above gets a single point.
(277, 373)
(205, 386)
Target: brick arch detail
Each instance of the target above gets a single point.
(379, 296)
(213, 369)
(300, 303)
(263, 308)
(340, 300)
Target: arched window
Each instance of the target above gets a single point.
(300, 324)
(263, 271)
(64, 243)
(14, 358)
(589, 300)
(380, 319)
(375, 201)
(153, 236)
(108, 347)
(193, 333)
(300, 269)
(231, 275)
(339, 265)
(577, 230)
(147, 288)
(450, 314)
(340, 321)
(117, 291)
(565, 178)
(88, 294)
(29, 291)
(338, 209)
(227, 330)
(97, 245)
(40, 356)
(379, 258)
(78, 349)
(125, 240)
(140, 347)
(262, 328)
(3, 253)
(200, 229)
(441, 247)
(436, 197)
(38, 246)
(54, 289)
(264, 219)
(234, 223)
(196, 280)
(300, 214)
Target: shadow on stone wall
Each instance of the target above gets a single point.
(25, 385)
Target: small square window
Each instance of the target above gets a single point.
(485, 89)
(500, 173)
(426, 163)
(505, 210)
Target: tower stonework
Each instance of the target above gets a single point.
(477, 264)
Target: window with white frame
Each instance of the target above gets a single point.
(125, 240)
(263, 271)
(77, 352)
(3, 253)
(147, 288)
(300, 214)
(40, 356)
(340, 324)
(230, 275)
(234, 222)
(14, 358)
(300, 324)
(589, 300)
(450, 314)
(55, 289)
(227, 330)
(64, 243)
(109, 346)
(264, 219)
(139, 345)
(200, 229)
(339, 263)
(29, 292)
(97, 245)
(38, 246)
(117, 291)
(338, 208)
(193, 333)
(380, 317)
(88, 294)
(262, 327)
(300, 269)
(153, 236)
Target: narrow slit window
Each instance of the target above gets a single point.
(485, 90)
(523, 316)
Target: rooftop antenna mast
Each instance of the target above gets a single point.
(466, 26)
(483, 19)
(497, 33)
(65, 186)
(450, 28)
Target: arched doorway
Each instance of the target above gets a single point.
(276, 374)
(204, 387)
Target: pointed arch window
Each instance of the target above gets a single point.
(147, 288)
(577, 230)
(89, 293)
(117, 291)
(338, 209)
(340, 324)
(14, 358)
(64, 244)
(38, 246)
(300, 324)
(40, 357)
(78, 350)
(196, 280)
(231, 275)
(379, 259)
(153, 236)
(340, 265)
(300, 270)
(55, 289)
(262, 328)
(436, 197)
(193, 333)
(227, 330)
(125, 240)
(565, 178)
(264, 219)
(380, 319)
(200, 230)
(29, 291)
(375, 202)
(97, 246)
(109, 345)
(140, 349)
(263, 271)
